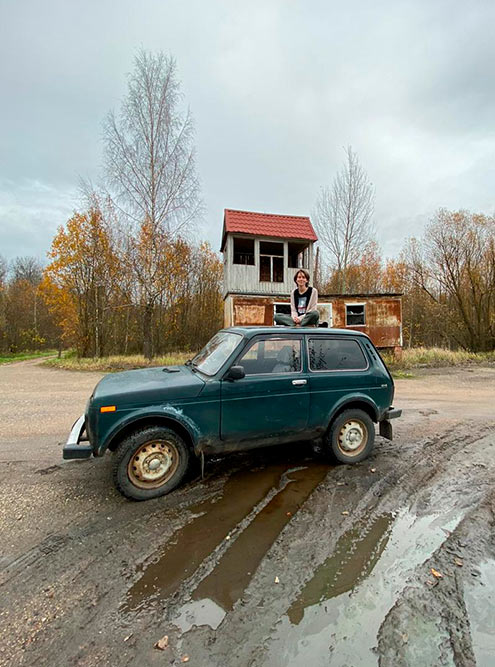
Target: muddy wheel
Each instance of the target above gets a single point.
(150, 463)
(351, 436)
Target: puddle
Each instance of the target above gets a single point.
(354, 558)
(341, 617)
(199, 612)
(231, 576)
(480, 599)
(179, 558)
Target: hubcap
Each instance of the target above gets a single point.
(153, 464)
(352, 437)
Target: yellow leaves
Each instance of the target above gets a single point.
(436, 573)
(108, 290)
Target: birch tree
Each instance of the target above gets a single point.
(150, 166)
(149, 152)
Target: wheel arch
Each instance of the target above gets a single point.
(354, 403)
(145, 421)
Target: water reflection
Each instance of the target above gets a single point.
(336, 624)
(353, 559)
(213, 521)
(229, 579)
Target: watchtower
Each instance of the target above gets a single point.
(261, 254)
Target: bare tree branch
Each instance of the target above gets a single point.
(343, 215)
(149, 152)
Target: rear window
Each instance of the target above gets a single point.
(336, 354)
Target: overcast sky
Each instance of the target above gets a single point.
(277, 88)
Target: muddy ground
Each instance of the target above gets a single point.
(274, 558)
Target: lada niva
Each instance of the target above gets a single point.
(248, 387)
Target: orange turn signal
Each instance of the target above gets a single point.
(108, 408)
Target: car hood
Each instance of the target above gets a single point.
(147, 386)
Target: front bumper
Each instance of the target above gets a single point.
(77, 445)
(386, 430)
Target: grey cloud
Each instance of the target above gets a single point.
(276, 89)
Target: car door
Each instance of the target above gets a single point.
(271, 401)
(339, 368)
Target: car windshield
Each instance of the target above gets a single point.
(216, 352)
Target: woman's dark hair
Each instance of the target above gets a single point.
(306, 275)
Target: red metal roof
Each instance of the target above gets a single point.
(267, 224)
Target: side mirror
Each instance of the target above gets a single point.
(235, 373)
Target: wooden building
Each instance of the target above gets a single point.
(262, 253)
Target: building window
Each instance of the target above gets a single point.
(243, 251)
(271, 262)
(354, 314)
(298, 256)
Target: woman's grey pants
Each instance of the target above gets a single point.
(311, 319)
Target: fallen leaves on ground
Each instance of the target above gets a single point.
(162, 643)
(436, 573)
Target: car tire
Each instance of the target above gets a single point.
(150, 463)
(351, 436)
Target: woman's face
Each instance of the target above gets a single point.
(301, 279)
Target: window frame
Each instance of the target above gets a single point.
(271, 258)
(243, 238)
(259, 339)
(336, 370)
(349, 305)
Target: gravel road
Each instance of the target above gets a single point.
(274, 558)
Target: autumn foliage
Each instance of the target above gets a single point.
(113, 293)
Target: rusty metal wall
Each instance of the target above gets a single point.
(383, 318)
(383, 315)
(250, 311)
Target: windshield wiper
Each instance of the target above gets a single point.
(190, 364)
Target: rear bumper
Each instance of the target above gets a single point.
(77, 445)
(392, 413)
(386, 430)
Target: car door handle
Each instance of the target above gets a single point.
(298, 382)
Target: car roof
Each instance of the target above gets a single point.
(250, 331)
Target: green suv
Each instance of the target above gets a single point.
(249, 387)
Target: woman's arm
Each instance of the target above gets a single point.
(313, 302)
(293, 310)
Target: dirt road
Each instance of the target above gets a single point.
(273, 559)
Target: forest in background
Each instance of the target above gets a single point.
(126, 273)
(93, 293)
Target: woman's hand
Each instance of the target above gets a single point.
(297, 320)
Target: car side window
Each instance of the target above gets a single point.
(272, 355)
(336, 354)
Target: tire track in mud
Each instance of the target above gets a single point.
(425, 481)
(252, 487)
(247, 633)
(72, 580)
(444, 635)
(246, 494)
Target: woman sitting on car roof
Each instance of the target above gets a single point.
(303, 303)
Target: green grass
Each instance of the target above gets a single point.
(402, 375)
(401, 368)
(71, 362)
(435, 357)
(7, 357)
